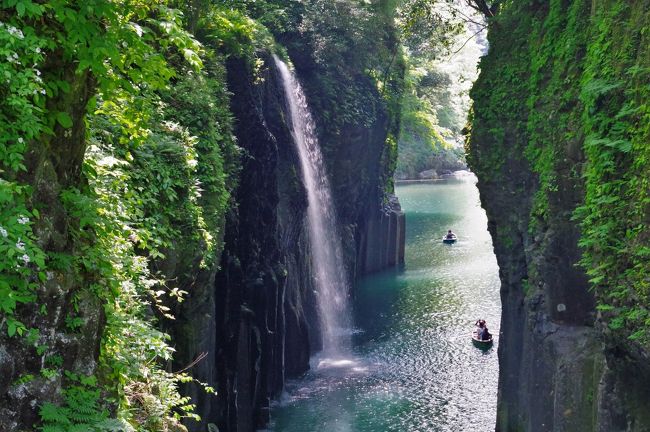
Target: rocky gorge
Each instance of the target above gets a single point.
(156, 260)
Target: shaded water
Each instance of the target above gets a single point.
(330, 280)
(413, 366)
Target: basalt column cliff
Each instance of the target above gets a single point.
(265, 319)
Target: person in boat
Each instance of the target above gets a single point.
(481, 328)
(486, 334)
(450, 235)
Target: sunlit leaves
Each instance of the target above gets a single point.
(429, 27)
(22, 90)
(122, 53)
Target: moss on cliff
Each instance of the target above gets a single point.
(616, 124)
(582, 75)
(560, 121)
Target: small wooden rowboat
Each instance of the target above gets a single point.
(481, 343)
(451, 240)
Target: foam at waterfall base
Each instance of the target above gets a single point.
(337, 364)
(327, 373)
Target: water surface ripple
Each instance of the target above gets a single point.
(413, 366)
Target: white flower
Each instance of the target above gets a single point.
(20, 245)
(25, 258)
(37, 50)
(23, 220)
(3, 232)
(15, 32)
(20, 140)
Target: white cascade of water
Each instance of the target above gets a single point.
(330, 275)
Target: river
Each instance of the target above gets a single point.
(413, 367)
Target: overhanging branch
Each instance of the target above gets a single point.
(482, 6)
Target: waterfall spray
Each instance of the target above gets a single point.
(327, 258)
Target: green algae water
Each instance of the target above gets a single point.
(413, 366)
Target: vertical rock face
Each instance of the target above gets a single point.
(264, 325)
(262, 292)
(381, 243)
(560, 371)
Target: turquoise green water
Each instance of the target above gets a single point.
(413, 366)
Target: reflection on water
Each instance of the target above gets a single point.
(413, 367)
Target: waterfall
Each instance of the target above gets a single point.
(330, 276)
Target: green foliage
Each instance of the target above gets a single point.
(275, 15)
(121, 222)
(24, 379)
(23, 262)
(21, 120)
(614, 217)
(429, 28)
(114, 42)
(164, 194)
(553, 122)
(499, 113)
(22, 101)
(234, 32)
(81, 410)
(201, 104)
(424, 143)
(583, 75)
(440, 37)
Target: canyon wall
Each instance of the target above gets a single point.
(262, 310)
(559, 143)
